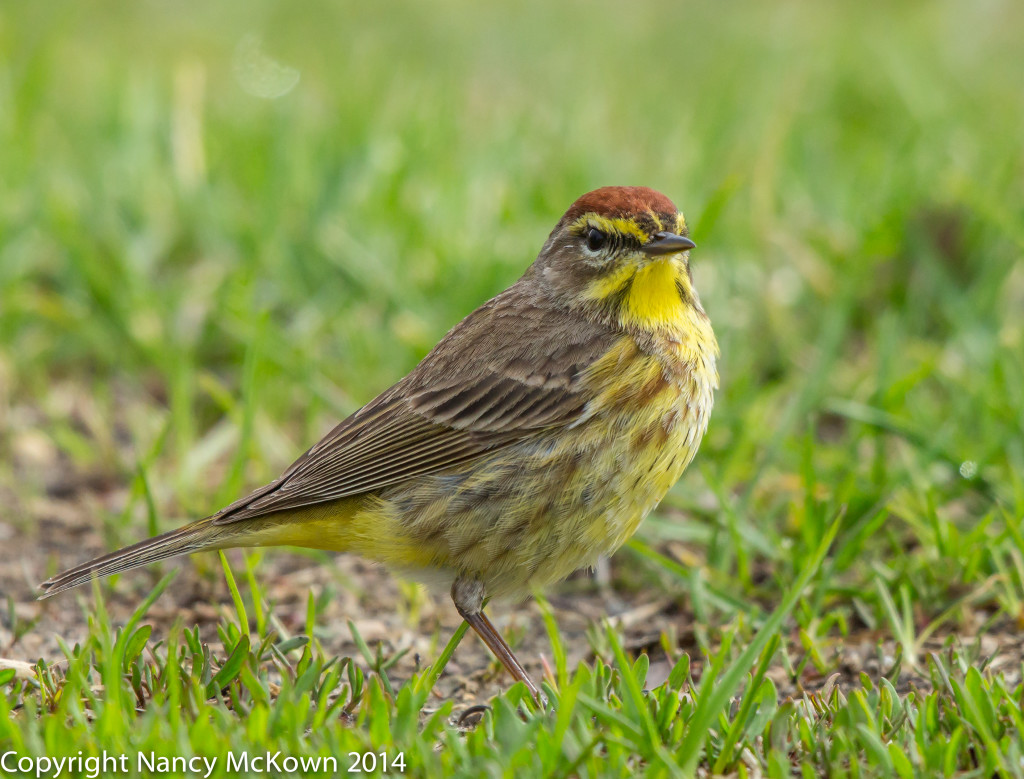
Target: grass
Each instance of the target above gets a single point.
(196, 279)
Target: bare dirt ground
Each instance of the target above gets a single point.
(60, 528)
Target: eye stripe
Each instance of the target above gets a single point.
(622, 234)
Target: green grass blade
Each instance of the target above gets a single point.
(709, 706)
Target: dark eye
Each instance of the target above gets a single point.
(595, 239)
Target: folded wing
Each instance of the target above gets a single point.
(507, 371)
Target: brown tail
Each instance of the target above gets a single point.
(191, 538)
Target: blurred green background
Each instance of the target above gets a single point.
(225, 226)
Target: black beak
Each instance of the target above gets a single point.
(667, 243)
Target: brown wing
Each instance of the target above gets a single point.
(510, 368)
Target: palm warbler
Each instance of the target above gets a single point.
(534, 437)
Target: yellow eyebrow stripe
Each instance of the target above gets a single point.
(625, 226)
(609, 225)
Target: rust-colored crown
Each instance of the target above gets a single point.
(620, 201)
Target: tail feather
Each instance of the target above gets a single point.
(191, 538)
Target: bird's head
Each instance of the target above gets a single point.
(621, 253)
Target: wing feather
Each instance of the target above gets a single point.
(506, 371)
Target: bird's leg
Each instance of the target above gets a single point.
(468, 596)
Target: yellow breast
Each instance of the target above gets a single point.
(660, 401)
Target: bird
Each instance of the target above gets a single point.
(534, 438)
